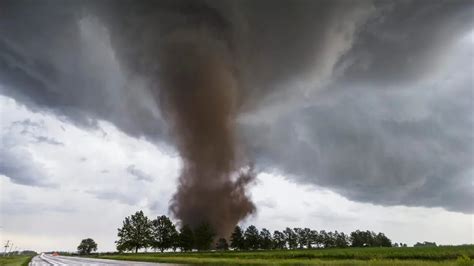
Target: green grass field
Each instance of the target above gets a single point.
(461, 255)
(15, 260)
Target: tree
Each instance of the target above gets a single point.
(237, 239)
(369, 239)
(251, 237)
(279, 240)
(330, 241)
(291, 238)
(135, 233)
(299, 240)
(265, 239)
(303, 237)
(307, 237)
(360, 239)
(186, 238)
(222, 244)
(163, 233)
(87, 246)
(314, 239)
(341, 240)
(174, 240)
(323, 238)
(203, 236)
(382, 241)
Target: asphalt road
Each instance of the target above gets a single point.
(45, 259)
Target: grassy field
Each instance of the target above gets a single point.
(15, 260)
(462, 255)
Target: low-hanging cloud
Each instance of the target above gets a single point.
(350, 96)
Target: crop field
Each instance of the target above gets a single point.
(15, 260)
(457, 255)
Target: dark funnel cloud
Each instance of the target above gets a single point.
(361, 97)
(199, 96)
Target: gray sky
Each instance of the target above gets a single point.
(363, 122)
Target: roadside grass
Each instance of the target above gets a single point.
(15, 260)
(456, 255)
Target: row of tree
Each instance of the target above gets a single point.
(299, 238)
(139, 232)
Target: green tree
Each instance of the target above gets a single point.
(186, 238)
(279, 240)
(87, 246)
(175, 240)
(291, 238)
(341, 240)
(135, 233)
(383, 241)
(222, 244)
(252, 238)
(266, 240)
(203, 236)
(163, 233)
(299, 240)
(369, 239)
(237, 239)
(330, 240)
(303, 237)
(314, 239)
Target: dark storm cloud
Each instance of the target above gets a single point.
(407, 41)
(351, 96)
(53, 59)
(138, 174)
(409, 146)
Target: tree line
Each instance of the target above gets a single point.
(139, 232)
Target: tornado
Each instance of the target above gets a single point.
(198, 95)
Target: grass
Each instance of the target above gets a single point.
(457, 255)
(20, 260)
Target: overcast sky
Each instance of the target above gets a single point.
(66, 183)
(373, 131)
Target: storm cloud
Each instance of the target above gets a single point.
(371, 99)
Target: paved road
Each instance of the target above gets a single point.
(45, 259)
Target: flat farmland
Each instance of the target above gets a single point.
(456, 255)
